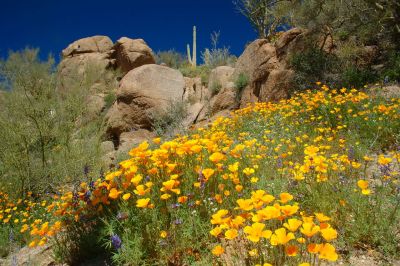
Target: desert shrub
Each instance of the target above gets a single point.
(82, 241)
(9, 241)
(202, 71)
(168, 122)
(306, 179)
(311, 66)
(313, 62)
(315, 65)
(171, 58)
(215, 88)
(49, 142)
(217, 56)
(241, 82)
(109, 99)
(393, 69)
(349, 52)
(357, 77)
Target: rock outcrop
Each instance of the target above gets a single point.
(85, 63)
(193, 113)
(277, 85)
(95, 104)
(128, 140)
(143, 92)
(132, 53)
(38, 256)
(226, 99)
(266, 67)
(145, 89)
(195, 91)
(95, 44)
(220, 76)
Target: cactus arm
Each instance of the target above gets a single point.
(194, 59)
(188, 54)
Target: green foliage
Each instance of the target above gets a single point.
(351, 25)
(369, 226)
(202, 71)
(140, 235)
(312, 62)
(261, 14)
(357, 77)
(215, 88)
(316, 65)
(6, 243)
(168, 122)
(48, 140)
(80, 242)
(310, 66)
(171, 58)
(109, 99)
(341, 19)
(240, 83)
(393, 69)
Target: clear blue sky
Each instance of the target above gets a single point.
(52, 24)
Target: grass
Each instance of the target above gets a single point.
(307, 180)
(202, 71)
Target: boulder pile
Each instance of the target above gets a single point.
(143, 88)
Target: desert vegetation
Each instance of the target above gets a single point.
(300, 181)
(285, 155)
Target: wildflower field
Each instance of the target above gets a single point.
(305, 181)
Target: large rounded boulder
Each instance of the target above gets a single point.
(86, 62)
(143, 92)
(221, 76)
(95, 44)
(265, 64)
(132, 53)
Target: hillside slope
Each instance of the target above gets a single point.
(305, 180)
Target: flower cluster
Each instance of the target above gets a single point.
(268, 223)
(242, 174)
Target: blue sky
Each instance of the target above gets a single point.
(52, 24)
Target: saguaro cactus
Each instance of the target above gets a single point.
(192, 60)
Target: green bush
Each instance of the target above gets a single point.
(48, 140)
(109, 99)
(240, 83)
(311, 66)
(202, 71)
(82, 242)
(215, 88)
(315, 65)
(171, 58)
(354, 77)
(393, 69)
(313, 62)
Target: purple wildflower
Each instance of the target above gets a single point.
(178, 221)
(116, 241)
